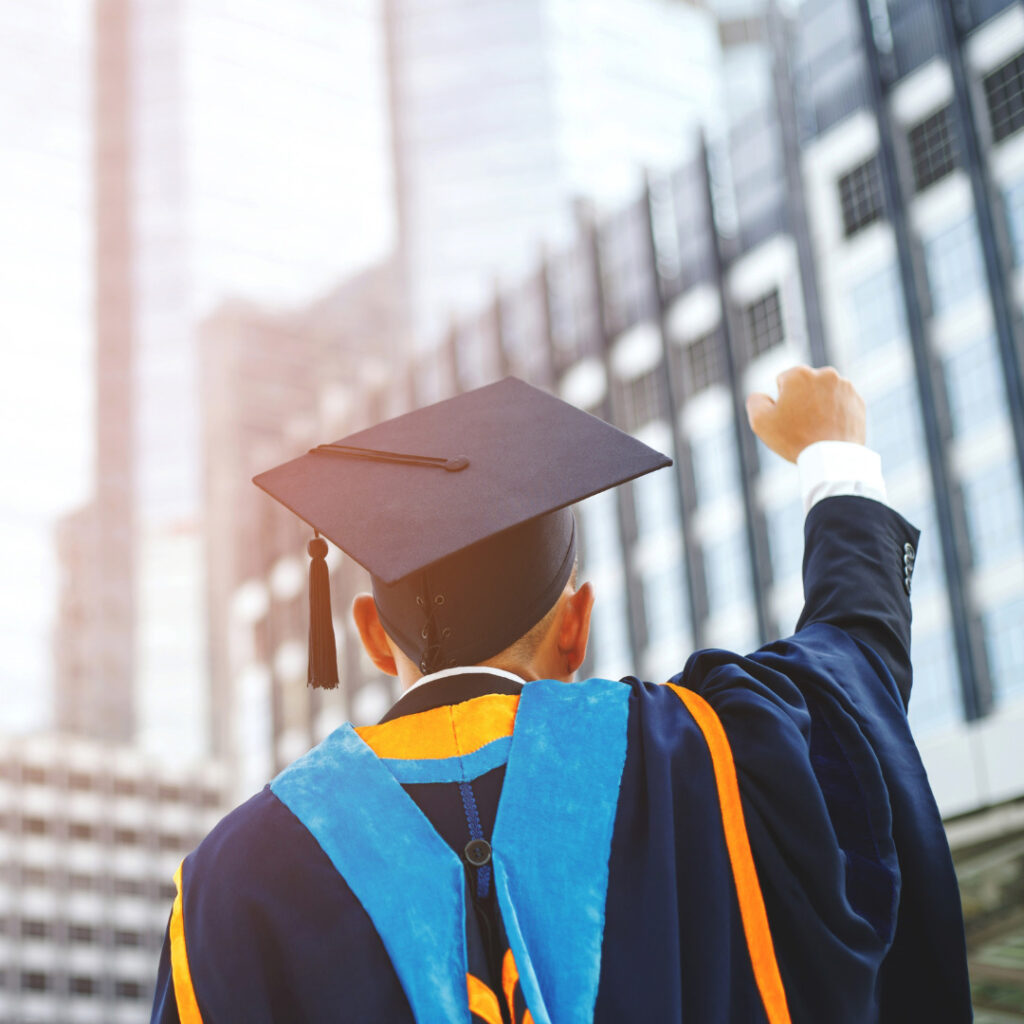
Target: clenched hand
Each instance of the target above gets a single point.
(813, 405)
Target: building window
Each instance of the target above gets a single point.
(81, 882)
(83, 933)
(639, 400)
(703, 362)
(81, 830)
(656, 503)
(35, 876)
(1004, 92)
(727, 572)
(860, 196)
(34, 774)
(34, 981)
(126, 787)
(665, 604)
(126, 938)
(81, 782)
(974, 381)
(83, 985)
(33, 826)
(128, 990)
(601, 544)
(953, 260)
(611, 634)
(1013, 202)
(877, 310)
(715, 465)
(786, 538)
(127, 837)
(894, 426)
(169, 792)
(995, 520)
(132, 887)
(1004, 638)
(763, 321)
(936, 700)
(32, 928)
(932, 149)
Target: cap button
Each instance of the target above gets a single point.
(478, 852)
(456, 464)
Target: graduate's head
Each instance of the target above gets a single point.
(461, 512)
(552, 647)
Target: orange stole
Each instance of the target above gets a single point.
(184, 994)
(748, 889)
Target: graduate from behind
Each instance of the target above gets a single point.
(753, 840)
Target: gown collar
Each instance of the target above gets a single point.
(453, 686)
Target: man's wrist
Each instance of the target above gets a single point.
(831, 468)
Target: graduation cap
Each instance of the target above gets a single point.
(460, 511)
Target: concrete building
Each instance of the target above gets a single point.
(220, 132)
(90, 838)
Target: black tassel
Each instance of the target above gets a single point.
(323, 655)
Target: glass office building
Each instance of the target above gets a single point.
(877, 226)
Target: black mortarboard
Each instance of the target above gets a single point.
(460, 513)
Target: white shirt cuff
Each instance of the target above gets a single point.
(831, 468)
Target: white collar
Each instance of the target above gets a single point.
(465, 670)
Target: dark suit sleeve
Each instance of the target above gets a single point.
(165, 1008)
(858, 559)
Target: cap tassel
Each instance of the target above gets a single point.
(323, 655)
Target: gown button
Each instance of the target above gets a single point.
(478, 852)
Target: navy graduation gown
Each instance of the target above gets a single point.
(616, 890)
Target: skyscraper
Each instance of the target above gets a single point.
(237, 150)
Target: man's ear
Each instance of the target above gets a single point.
(574, 627)
(372, 634)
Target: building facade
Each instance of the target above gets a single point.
(661, 318)
(90, 839)
(219, 134)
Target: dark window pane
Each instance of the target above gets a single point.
(168, 792)
(932, 149)
(702, 362)
(34, 876)
(127, 837)
(128, 990)
(81, 830)
(126, 937)
(34, 981)
(84, 933)
(860, 196)
(35, 826)
(763, 322)
(32, 928)
(81, 781)
(82, 882)
(129, 887)
(33, 773)
(639, 400)
(82, 985)
(167, 891)
(171, 841)
(1004, 92)
(126, 787)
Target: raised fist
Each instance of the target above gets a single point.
(813, 405)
